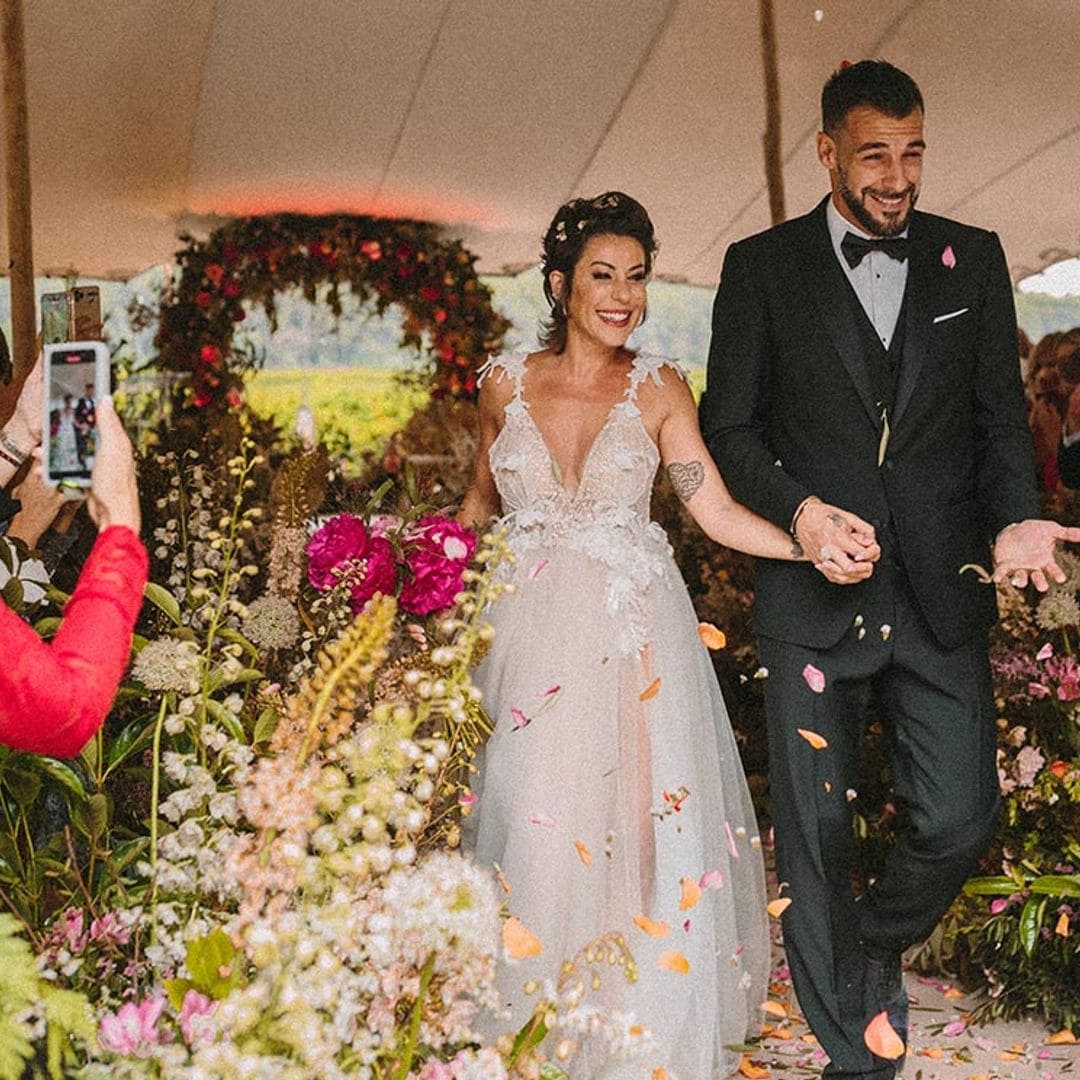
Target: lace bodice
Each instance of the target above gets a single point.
(607, 517)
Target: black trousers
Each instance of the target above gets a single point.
(937, 708)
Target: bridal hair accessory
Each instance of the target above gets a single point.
(610, 201)
(948, 257)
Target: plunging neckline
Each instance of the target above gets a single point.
(557, 470)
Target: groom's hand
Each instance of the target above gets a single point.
(1026, 550)
(841, 545)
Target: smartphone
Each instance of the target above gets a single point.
(77, 376)
(84, 313)
(54, 317)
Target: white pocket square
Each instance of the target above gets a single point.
(950, 315)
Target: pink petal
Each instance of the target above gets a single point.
(544, 820)
(948, 257)
(711, 879)
(957, 1027)
(1045, 652)
(550, 690)
(453, 548)
(998, 906)
(537, 568)
(815, 678)
(731, 841)
(520, 719)
(467, 798)
(686, 926)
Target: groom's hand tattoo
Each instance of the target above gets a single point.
(686, 478)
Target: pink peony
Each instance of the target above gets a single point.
(343, 552)
(437, 552)
(132, 1029)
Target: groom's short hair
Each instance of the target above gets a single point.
(876, 83)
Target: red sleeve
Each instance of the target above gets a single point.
(54, 697)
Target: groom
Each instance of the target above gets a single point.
(864, 358)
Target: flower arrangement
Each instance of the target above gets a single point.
(448, 312)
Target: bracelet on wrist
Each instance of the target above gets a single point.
(11, 451)
(798, 513)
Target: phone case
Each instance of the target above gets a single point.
(54, 317)
(84, 313)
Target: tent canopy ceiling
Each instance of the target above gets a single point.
(149, 117)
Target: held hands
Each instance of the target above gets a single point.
(841, 545)
(1026, 550)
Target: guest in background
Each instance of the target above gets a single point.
(54, 696)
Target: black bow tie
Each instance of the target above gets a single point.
(856, 248)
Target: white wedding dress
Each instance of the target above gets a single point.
(593, 803)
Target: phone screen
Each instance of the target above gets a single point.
(72, 415)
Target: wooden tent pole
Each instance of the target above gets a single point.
(17, 187)
(774, 171)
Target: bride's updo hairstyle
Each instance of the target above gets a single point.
(610, 214)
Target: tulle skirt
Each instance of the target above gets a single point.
(612, 801)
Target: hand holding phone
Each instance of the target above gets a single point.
(76, 376)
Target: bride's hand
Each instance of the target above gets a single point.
(840, 544)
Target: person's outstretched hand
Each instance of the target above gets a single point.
(24, 426)
(114, 493)
(1026, 551)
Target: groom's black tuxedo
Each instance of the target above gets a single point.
(791, 411)
(797, 381)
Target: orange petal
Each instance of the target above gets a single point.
(1064, 1037)
(775, 1008)
(651, 690)
(881, 1039)
(504, 883)
(934, 1053)
(711, 637)
(691, 894)
(752, 1071)
(653, 929)
(1062, 928)
(584, 854)
(953, 994)
(519, 942)
(673, 961)
(776, 908)
(817, 741)
(1008, 1055)
(659, 1074)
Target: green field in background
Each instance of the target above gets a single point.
(362, 404)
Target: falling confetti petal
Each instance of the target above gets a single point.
(815, 678)
(948, 257)
(711, 879)
(546, 820)
(537, 568)
(828, 787)
(817, 741)
(761, 673)
(881, 1039)
(851, 794)
(1062, 928)
(776, 908)
(659, 1074)
(504, 884)
(858, 620)
(686, 926)
(550, 691)
(886, 632)
(711, 637)
(862, 632)
(673, 961)
(519, 942)
(1064, 1037)
(520, 719)
(584, 854)
(1045, 652)
(653, 929)
(731, 841)
(691, 894)
(651, 690)
(453, 548)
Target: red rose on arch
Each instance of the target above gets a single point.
(203, 299)
(215, 272)
(430, 292)
(210, 355)
(232, 288)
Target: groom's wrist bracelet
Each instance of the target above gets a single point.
(11, 451)
(798, 513)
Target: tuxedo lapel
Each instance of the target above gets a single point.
(918, 303)
(827, 289)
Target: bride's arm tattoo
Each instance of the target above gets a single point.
(686, 478)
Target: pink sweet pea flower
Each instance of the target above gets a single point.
(195, 1013)
(132, 1029)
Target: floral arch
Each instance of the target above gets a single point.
(448, 315)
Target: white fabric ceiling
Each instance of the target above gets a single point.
(149, 116)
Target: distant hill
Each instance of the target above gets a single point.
(309, 337)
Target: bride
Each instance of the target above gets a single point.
(610, 797)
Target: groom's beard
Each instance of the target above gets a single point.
(890, 227)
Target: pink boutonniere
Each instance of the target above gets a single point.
(948, 257)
